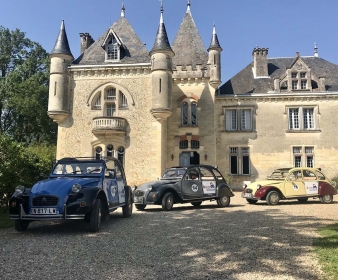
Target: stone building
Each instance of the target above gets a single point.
(163, 108)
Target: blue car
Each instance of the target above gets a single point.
(77, 188)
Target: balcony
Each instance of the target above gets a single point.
(103, 126)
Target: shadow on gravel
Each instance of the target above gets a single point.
(187, 243)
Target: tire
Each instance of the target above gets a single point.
(326, 199)
(95, 216)
(252, 201)
(127, 209)
(272, 198)
(168, 201)
(197, 203)
(21, 225)
(223, 201)
(140, 206)
(302, 200)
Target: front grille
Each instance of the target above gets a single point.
(45, 200)
(248, 191)
(139, 193)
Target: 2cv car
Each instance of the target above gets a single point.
(77, 188)
(193, 184)
(299, 183)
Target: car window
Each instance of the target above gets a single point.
(206, 174)
(320, 175)
(295, 176)
(78, 168)
(218, 175)
(192, 174)
(112, 166)
(309, 175)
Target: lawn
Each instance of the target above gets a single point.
(326, 247)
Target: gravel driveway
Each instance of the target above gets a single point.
(239, 242)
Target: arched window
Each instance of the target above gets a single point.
(97, 102)
(98, 152)
(110, 150)
(120, 154)
(189, 112)
(110, 94)
(123, 100)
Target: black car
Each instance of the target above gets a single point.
(192, 184)
(77, 188)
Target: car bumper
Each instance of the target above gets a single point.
(24, 216)
(249, 196)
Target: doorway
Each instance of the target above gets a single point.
(188, 158)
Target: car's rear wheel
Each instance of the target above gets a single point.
(197, 203)
(95, 216)
(223, 201)
(168, 201)
(127, 209)
(272, 198)
(252, 201)
(326, 199)
(302, 200)
(140, 206)
(21, 225)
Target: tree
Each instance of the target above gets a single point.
(24, 72)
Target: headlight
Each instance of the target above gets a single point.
(150, 188)
(20, 189)
(244, 186)
(259, 186)
(76, 188)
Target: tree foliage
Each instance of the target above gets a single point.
(24, 72)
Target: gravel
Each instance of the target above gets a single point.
(241, 241)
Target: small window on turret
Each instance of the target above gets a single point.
(189, 112)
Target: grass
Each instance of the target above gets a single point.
(326, 248)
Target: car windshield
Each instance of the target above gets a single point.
(78, 168)
(173, 173)
(279, 174)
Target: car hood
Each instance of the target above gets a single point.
(264, 183)
(59, 186)
(157, 183)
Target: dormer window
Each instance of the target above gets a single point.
(113, 47)
(294, 84)
(294, 75)
(303, 75)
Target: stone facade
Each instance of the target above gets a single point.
(164, 108)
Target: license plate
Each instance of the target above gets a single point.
(45, 211)
(248, 195)
(138, 199)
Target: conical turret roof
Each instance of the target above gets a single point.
(188, 45)
(61, 45)
(214, 41)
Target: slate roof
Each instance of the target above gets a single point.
(188, 45)
(61, 45)
(214, 44)
(244, 82)
(135, 51)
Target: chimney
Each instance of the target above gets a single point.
(260, 56)
(86, 41)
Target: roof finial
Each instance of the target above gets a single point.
(122, 9)
(188, 7)
(316, 50)
(214, 29)
(162, 10)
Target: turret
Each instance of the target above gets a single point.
(215, 60)
(161, 73)
(61, 57)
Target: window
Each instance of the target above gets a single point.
(110, 94)
(189, 113)
(238, 119)
(120, 154)
(303, 74)
(110, 150)
(98, 152)
(301, 118)
(294, 84)
(97, 102)
(303, 84)
(239, 160)
(112, 49)
(110, 110)
(195, 144)
(303, 156)
(123, 101)
(184, 144)
(294, 75)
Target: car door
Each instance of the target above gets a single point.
(311, 182)
(191, 184)
(111, 184)
(294, 185)
(208, 182)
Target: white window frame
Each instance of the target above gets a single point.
(239, 153)
(113, 50)
(238, 119)
(303, 153)
(294, 84)
(302, 118)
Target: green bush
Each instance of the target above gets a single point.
(334, 180)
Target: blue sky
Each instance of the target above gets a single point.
(282, 26)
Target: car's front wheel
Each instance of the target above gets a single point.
(168, 201)
(252, 201)
(302, 200)
(197, 203)
(328, 198)
(95, 216)
(223, 201)
(140, 206)
(272, 198)
(127, 209)
(21, 225)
